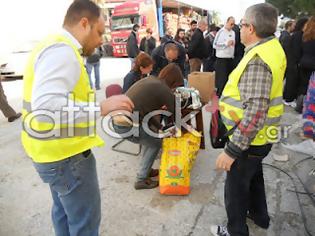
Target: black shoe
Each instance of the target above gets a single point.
(146, 184)
(154, 173)
(299, 104)
(13, 118)
(261, 223)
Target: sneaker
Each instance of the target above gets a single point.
(13, 118)
(146, 184)
(218, 230)
(290, 104)
(154, 173)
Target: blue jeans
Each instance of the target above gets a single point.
(89, 68)
(151, 148)
(76, 198)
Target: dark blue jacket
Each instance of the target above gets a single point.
(197, 47)
(132, 45)
(160, 61)
(131, 78)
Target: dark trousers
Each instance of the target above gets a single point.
(6, 109)
(208, 64)
(223, 67)
(291, 83)
(245, 191)
(305, 75)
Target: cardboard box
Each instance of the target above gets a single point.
(204, 83)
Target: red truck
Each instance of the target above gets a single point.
(148, 14)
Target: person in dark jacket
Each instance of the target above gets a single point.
(286, 34)
(142, 67)
(182, 40)
(168, 36)
(285, 40)
(209, 61)
(190, 32)
(307, 62)
(197, 48)
(239, 47)
(148, 43)
(93, 62)
(132, 44)
(294, 54)
(167, 53)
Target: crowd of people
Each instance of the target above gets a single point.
(201, 48)
(211, 48)
(220, 50)
(250, 68)
(298, 41)
(264, 73)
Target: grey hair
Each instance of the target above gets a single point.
(202, 22)
(230, 18)
(264, 18)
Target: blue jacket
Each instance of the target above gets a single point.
(131, 78)
(160, 61)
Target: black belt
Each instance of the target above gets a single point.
(86, 153)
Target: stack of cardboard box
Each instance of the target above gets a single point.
(173, 21)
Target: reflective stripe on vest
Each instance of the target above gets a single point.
(231, 106)
(59, 133)
(268, 121)
(239, 104)
(46, 141)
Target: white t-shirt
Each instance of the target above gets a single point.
(221, 41)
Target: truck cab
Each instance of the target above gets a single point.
(124, 16)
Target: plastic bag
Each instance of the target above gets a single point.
(177, 160)
(193, 146)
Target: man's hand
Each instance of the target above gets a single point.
(224, 162)
(230, 43)
(117, 102)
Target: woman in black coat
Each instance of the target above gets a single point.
(142, 67)
(307, 61)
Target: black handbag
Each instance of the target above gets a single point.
(219, 135)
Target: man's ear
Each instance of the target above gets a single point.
(252, 29)
(84, 22)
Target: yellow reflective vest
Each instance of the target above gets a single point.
(231, 106)
(47, 140)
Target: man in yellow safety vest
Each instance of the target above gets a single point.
(59, 119)
(252, 100)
